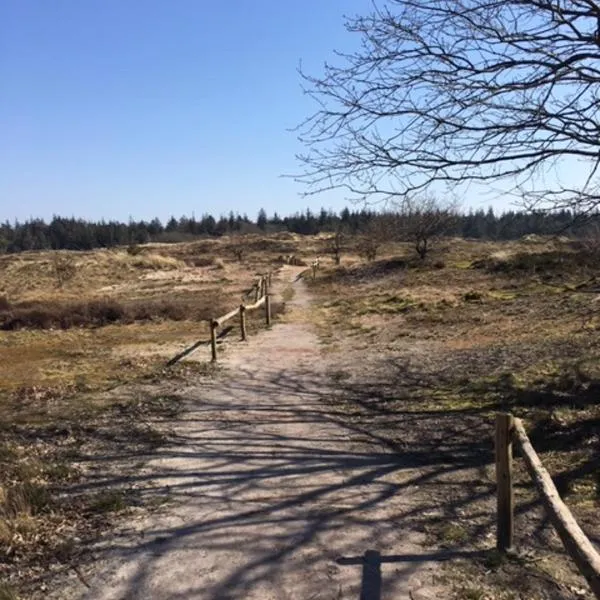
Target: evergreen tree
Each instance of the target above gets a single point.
(261, 220)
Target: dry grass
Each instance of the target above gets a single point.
(122, 314)
(111, 324)
(97, 312)
(502, 326)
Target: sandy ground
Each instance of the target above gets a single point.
(271, 497)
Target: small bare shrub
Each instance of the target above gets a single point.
(201, 261)
(337, 245)
(64, 268)
(368, 248)
(590, 240)
(134, 250)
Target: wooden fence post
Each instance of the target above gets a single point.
(270, 276)
(256, 291)
(268, 309)
(213, 339)
(505, 494)
(243, 321)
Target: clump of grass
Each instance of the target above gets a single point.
(200, 261)
(7, 593)
(472, 593)
(109, 501)
(288, 293)
(25, 498)
(453, 533)
(473, 296)
(156, 262)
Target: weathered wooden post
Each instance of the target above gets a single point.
(256, 291)
(505, 494)
(243, 321)
(213, 339)
(314, 271)
(268, 309)
(270, 276)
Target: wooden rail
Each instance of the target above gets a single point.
(260, 291)
(576, 543)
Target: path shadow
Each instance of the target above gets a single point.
(278, 478)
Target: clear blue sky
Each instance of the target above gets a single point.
(142, 108)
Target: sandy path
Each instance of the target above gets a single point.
(273, 498)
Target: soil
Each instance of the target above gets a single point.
(270, 493)
(301, 471)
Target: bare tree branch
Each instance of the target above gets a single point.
(456, 91)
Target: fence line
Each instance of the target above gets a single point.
(261, 291)
(576, 543)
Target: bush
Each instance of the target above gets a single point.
(133, 250)
(64, 268)
(201, 261)
(155, 262)
(105, 311)
(553, 262)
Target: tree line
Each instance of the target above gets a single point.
(79, 234)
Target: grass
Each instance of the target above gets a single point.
(109, 501)
(121, 315)
(502, 327)
(97, 312)
(7, 592)
(79, 333)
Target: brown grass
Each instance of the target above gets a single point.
(64, 345)
(502, 326)
(97, 312)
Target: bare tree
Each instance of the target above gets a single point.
(368, 246)
(381, 229)
(337, 243)
(448, 92)
(424, 220)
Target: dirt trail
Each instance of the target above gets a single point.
(272, 497)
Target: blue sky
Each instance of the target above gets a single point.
(141, 108)
(119, 108)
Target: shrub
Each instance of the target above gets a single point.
(156, 262)
(64, 268)
(201, 261)
(105, 311)
(134, 250)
